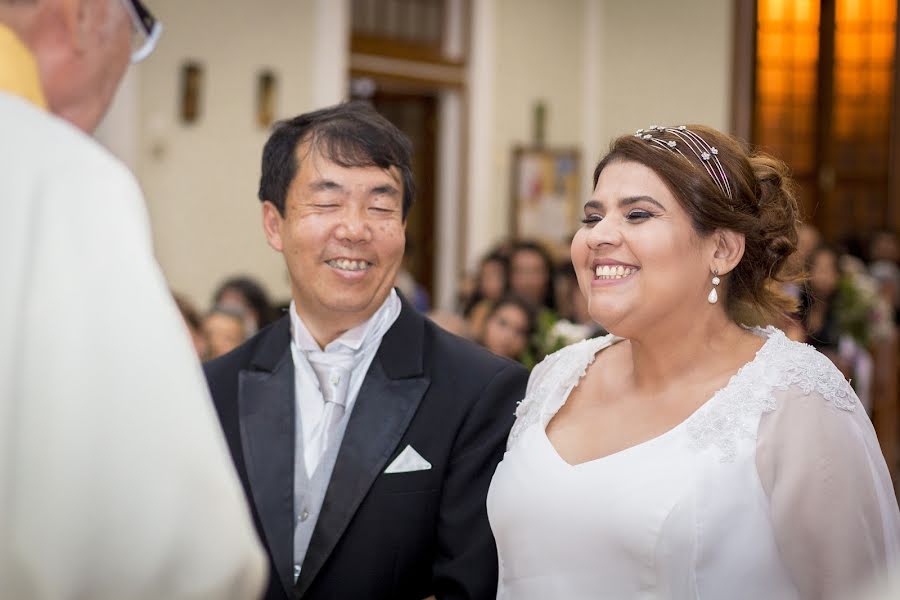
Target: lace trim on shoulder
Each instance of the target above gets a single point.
(550, 380)
(734, 411)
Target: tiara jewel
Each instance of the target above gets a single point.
(708, 155)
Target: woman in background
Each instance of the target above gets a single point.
(531, 274)
(490, 285)
(247, 295)
(508, 327)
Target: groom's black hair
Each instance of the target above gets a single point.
(351, 134)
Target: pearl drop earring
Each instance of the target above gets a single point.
(713, 295)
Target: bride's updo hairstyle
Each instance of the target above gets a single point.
(723, 186)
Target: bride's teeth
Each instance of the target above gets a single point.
(612, 271)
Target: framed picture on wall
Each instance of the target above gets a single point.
(545, 193)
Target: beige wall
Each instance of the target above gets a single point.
(666, 63)
(201, 179)
(538, 56)
(602, 68)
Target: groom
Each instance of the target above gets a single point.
(364, 435)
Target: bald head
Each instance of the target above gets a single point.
(82, 49)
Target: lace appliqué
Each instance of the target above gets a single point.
(731, 414)
(550, 381)
(734, 411)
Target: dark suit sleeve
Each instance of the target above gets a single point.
(465, 565)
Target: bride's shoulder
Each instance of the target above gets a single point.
(799, 368)
(571, 361)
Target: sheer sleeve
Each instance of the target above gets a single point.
(834, 512)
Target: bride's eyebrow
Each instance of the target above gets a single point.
(627, 201)
(635, 199)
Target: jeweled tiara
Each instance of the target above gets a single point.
(708, 155)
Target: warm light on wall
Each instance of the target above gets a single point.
(787, 58)
(863, 69)
(787, 77)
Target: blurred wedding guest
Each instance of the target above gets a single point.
(887, 276)
(884, 245)
(406, 283)
(818, 307)
(884, 266)
(580, 324)
(508, 327)
(194, 325)
(833, 325)
(491, 281)
(450, 321)
(115, 481)
(249, 296)
(531, 274)
(808, 239)
(695, 452)
(564, 283)
(224, 328)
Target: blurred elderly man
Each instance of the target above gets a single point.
(114, 478)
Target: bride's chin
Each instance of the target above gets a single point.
(612, 319)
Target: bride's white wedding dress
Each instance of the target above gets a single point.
(774, 488)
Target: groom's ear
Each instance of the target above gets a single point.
(272, 222)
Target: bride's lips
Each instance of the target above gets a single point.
(611, 272)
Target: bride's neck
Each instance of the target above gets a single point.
(694, 351)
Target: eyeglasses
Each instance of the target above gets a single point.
(146, 30)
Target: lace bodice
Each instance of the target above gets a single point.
(774, 488)
(733, 411)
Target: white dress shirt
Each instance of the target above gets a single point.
(343, 363)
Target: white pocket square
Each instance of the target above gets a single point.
(409, 460)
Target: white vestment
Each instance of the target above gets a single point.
(115, 480)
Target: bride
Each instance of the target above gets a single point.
(691, 453)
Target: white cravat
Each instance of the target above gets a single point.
(333, 373)
(327, 382)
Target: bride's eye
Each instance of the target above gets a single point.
(591, 219)
(639, 215)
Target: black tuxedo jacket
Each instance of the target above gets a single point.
(394, 536)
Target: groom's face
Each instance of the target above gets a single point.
(342, 236)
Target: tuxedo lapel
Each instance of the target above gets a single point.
(389, 397)
(266, 405)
